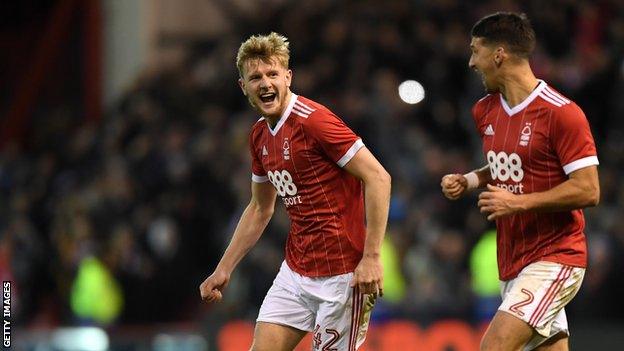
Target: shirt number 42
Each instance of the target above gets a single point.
(318, 341)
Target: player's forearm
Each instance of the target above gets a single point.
(483, 175)
(569, 195)
(377, 202)
(248, 230)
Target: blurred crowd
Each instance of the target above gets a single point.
(154, 191)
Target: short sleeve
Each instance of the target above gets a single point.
(337, 140)
(476, 118)
(572, 139)
(258, 174)
(478, 111)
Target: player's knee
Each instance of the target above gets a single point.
(265, 342)
(268, 346)
(258, 346)
(487, 345)
(262, 341)
(493, 342)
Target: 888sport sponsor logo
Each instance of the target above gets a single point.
(505, 166)
(283, 183)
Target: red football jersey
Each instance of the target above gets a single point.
(303, 156)
(532, 147)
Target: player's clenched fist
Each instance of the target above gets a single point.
(212, 287)
(454, 186)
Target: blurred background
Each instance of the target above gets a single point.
(124, 164)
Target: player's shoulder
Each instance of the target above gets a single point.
(259, 125)
(258, 130)
(484, 104)
(555, 101)
(309, 111)
(552, 98)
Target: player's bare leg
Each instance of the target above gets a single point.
(275, 337)
(506, 333)
(558, 342)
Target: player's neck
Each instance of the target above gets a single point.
(274, 119)
(518, 84)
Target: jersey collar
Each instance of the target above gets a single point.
(521, 106)
(293, 98)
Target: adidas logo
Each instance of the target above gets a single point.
(489, 130)
(264, 151)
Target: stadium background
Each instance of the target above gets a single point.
(124, 163)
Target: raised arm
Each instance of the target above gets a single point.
(369, 272)
(248, 230)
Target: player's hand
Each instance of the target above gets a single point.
(211, 289)
(497, 202)
(368, 275)
(454, 186)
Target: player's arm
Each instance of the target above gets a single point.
(581, 190)
(455, 186)
(369, 272)
(252, 223)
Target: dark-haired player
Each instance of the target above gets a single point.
(541, 171)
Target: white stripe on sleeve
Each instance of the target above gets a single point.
(259, 179)
(350, 153)
(580, 163)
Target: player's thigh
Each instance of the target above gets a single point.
(538, 296)
(558, 338)
(285, 303)
(558, 342)
(275, 337)
(506, 333)
(342, 324)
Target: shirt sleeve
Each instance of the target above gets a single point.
(336, 140)
(478, 110)
(258, 174)
(572, 139)
(477, 120)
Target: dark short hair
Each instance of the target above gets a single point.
(507, 28)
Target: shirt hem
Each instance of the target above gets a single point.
(304, 273)
(554, 259)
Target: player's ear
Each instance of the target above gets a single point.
(288, 77)
(241, 83)
(499, 55)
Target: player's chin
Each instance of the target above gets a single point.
(273, 111)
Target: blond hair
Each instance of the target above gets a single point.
(265, 48)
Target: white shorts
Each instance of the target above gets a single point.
(538, 296)
(322, 305)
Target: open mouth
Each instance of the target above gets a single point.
(268, 97)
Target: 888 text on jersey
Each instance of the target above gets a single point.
(283, 183)
(504, 166)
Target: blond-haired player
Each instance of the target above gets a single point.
(330, 184)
